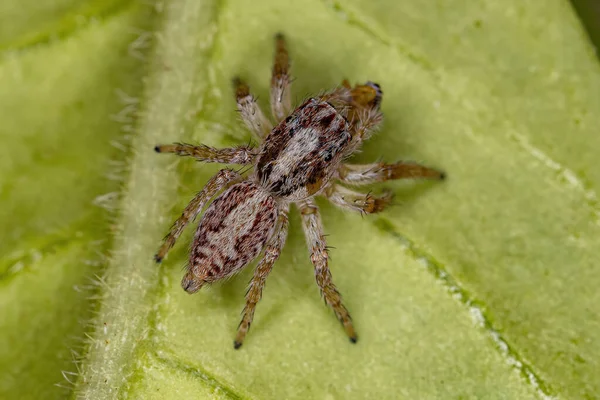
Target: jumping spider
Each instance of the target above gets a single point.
(298, 158)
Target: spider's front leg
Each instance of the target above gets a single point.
(355, 201)
(380, 172)
(372, 173)
(264, 267)
(281, 96)
(221, 180)
(313, 230)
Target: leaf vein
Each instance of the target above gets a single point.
(475, 306)
(369, 28)
(69, 25)
(172, 362)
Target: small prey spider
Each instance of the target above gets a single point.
(300, 157)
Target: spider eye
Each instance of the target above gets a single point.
(328, 154)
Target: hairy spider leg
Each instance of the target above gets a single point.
(281, 96)
(360, 106)
(221, 180)
(250, 111)
(264, 267)
(243, 155)
(313, 231)
(365, 174)
(355, 201)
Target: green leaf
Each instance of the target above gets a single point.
(483, 286)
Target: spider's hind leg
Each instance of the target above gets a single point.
(264, 267)
(313, 230)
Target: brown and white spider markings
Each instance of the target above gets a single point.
(299, 157)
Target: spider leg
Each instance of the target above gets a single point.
(281, 97)
(355, 201)
(313, 230)
(364, 123)
(251, 113)
(243, 155)
(264, 267)
(360, 106)
(223, 178)
(340, 98)
(381, 172)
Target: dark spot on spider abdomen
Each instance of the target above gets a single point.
(325, 121)
(232, 232)
(301, 153)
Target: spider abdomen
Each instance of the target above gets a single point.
(232, 232)
(300, 154)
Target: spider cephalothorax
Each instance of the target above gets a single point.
(299, 158)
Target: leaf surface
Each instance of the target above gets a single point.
(483, 286)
